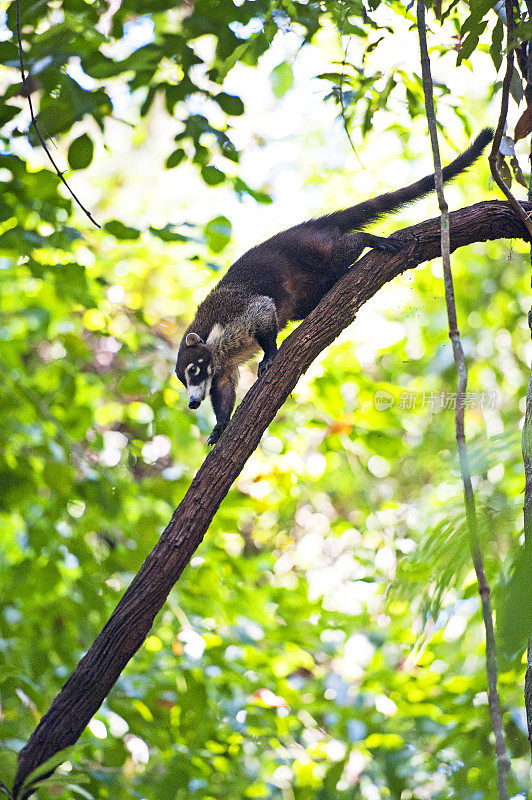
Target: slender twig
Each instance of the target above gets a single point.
(527, 445)
(503, 763)
(502, 122)
(34, 122)
(527, 515)
(343, 110)
(526, 440)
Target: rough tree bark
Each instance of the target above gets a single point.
(128, 626)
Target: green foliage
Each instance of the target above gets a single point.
(121, 231)
(218, 233)
(282, 79)
(80, 152)
(325, 641)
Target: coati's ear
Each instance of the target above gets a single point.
(192, 339)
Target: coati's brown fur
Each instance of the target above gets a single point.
(283, 279)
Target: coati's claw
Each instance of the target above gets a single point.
(216, 432)
(264, 365)
(397, 244)
(391, 245)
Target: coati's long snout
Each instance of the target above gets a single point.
(196, 395)
(283, 279)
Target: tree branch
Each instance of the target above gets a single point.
(503, 762)
(35, 126)
(516, 205)
(128, 626)
(526, 439)
(526, 443)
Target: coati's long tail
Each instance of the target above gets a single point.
(371, 210)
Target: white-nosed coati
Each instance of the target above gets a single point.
(283, 279)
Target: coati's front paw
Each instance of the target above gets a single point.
(217, 431)
(264, 365)
(391, 245)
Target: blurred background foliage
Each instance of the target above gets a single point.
(325, 642)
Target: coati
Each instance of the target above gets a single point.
(279, 280)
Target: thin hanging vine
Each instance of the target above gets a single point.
(503, 762)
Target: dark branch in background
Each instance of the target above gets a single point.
(34, 122)
(526, 440)
(503, 762)
(527, 514)
(128, 626)
(524, 61)
(518, 208)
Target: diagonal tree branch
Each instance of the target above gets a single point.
(128, 626)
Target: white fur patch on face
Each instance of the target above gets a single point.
(198, 393)
(192, 369)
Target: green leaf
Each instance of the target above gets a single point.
(496, 45)
(80, 791)
(516, 86)
(36, 776)
(80, 152)
(242, 188)
(218, 233)
(231, 104)
(514, 620)
(175, 158)
(121, 231)
(168, 235)
(7, 113)
(71, 283)
(470, 43)
(282, 78)
(212, 175)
